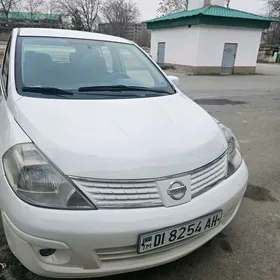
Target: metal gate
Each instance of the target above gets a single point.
(229, 56)
(161, 53)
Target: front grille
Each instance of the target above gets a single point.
(124, 195)
(206, 177)
(120, 253)
(143, 194)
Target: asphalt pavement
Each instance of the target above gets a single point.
(249, 248)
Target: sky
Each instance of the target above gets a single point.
(148, 7)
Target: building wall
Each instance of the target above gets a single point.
(213, 39)
(199, 49)
(181, 44)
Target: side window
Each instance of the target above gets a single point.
(105, 51)
(135, 68)
(5, 69)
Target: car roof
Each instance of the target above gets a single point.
(64, 33)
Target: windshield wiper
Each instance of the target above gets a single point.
(47, 90)
(122, 88)
(62, 93)
(117, 94)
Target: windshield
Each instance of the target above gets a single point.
(85, 69)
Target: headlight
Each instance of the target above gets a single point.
(234, 156)
(35, 180)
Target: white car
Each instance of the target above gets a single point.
(106, 166)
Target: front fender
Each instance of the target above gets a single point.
(10, 132)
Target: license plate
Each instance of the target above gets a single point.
(157, 239)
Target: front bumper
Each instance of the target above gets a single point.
(104, 242)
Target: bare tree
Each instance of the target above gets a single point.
(272, 35)
(76, 21)
(273, 7)
(169, 6)
(5, 7)
(119, 14)
(144, 38)
(51, 7)
(87, 11)
(33, 6)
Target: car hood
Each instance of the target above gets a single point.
(122, 138)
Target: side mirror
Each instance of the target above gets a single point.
(174, 80)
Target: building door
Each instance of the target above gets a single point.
(161, 53)
(229, 58)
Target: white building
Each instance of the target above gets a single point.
(208, 39)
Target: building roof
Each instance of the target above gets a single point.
(211, 14)
(215, 11)
(64, 33)
(27, 16)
